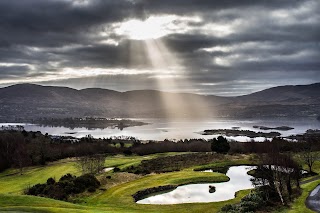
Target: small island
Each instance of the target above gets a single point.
(234, 133)
(89, 122)
(310, 133)
(279, 128)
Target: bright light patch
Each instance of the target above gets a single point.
(216, 49)
(110, 42)
(221, 61)
(79, 3)
(30, 66)
(73, 73)
(92, 71)
(154, 27)
(151, 28)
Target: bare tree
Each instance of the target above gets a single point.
(277, 173)
(91, 164)
(20, 156)
(308, 155)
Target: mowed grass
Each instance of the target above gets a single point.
(120, 199)
(116, 199)
(11, 181)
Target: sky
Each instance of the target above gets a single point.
(220, 47)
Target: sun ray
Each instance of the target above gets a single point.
(166, 68)
(165, 63)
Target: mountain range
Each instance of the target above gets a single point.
(25, 102)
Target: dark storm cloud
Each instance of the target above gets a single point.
(12, 71)
(56, 22)
(191, 6)
(105, 55)
(226, 47)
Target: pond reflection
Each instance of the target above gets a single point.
(199, 193)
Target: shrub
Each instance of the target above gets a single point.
(51, 181)
(227, 208)
(67, 177)
(116, 169)
(91, 189)
(67, 185)
(141, 194)
(250, 203)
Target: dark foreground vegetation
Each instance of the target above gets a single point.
(192, 145)
(276, 179)
(147, 192)
(174, 163)
(67, 185)
(21, 148)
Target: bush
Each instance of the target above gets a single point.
(86, 181)
(227, 208)
(67, 185)
(51, 181)
(116, 169)
(141, 194)
(91, 189)
(250, 203)
(67, 177)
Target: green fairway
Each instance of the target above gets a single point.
(116, 199)
(12, 182)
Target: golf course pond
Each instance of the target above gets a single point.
(199, 193)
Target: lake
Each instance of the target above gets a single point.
(199, 193)
(160, 129)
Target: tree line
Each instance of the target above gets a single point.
(21, 148)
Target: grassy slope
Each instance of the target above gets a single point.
(117, 199)
(12, 182)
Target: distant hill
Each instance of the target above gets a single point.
(24, 102)
(287, 101)
(300, 94)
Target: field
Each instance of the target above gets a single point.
(117, 192)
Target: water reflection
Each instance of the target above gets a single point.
(199, 193)
(160, 129)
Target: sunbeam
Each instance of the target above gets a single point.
(168, 69)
